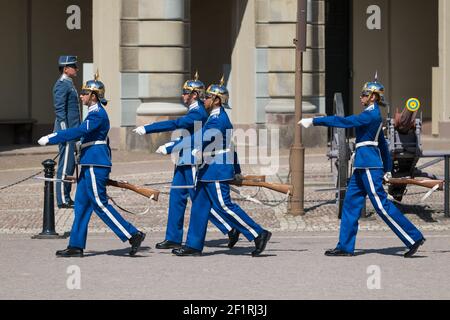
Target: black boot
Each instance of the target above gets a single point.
(261, 242)
(70, 252)
(186, 251)
(136, 241)
(233, 237)
(68, 205)
(413, 249)
(338, 253)
(166, 244)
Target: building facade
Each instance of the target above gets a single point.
(145, 50)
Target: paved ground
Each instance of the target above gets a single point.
(293, 268)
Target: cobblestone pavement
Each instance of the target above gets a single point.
(21, 205)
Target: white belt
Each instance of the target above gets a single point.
(91, 143)
(214, 153)
(366, 143)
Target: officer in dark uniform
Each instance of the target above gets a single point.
(95, 161)
(213, 191)
(67, 111)
(372, 164)
(185, 170)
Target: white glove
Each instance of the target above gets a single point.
(387, 176)
(139, 130)
(161, 150)
(197, 155)
(43, 140)
(308, 122)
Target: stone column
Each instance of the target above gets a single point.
(441, 76)
(275, 31)
(155, 61)
(106, 52)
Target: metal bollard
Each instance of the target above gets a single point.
(48, 228)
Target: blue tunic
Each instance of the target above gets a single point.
(66, 103)
(93, 132)
(372, 150)
(195, 118)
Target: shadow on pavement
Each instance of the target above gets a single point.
(124, 252)
(394, 251)
(424, 212)
(319, 205)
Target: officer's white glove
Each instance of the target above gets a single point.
(161, 150)
(140, 130)
(308, 122)
(387, 176)
(43, 140)
(196, 153)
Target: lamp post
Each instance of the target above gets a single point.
(297, 154)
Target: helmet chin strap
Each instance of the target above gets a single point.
(90, 102)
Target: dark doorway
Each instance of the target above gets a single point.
(337, 53)
(211, 40)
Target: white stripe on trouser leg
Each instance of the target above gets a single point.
(63, 174)
(231, 213)
(194, 175)
(104, 209)
(380, 206)
(218, 217)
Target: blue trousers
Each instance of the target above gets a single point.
(370, 182)
(184, 176)
(215, 197)
(66, 166)
(91, 196)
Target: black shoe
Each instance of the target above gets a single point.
(186, 251)
(233, 237)
(136, 241)
(414, 248)
(70, 252)
(338, 253)
(166, 244)
(68, 205)
(261, 242)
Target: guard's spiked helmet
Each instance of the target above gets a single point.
(194, 85)
(95, 86)
(374, 87)
(220, 91)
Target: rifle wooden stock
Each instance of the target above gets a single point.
(254, 178)
(283, 188)
(146, 192)
(427, 183)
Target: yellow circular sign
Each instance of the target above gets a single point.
(413, 104)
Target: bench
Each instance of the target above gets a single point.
(22, 129)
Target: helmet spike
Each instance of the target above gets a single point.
(96, 75)
(196, 75)
(221, 81)
(376, 76)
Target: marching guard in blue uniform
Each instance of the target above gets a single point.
(185, 169)
(95, 161)
(67, 111)
(372, 165)
(219, 166)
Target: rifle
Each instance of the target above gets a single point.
(146, 192)
(260, 181)
(427, 183)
